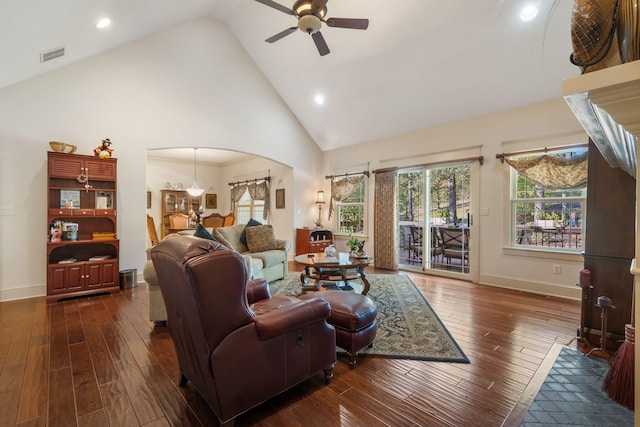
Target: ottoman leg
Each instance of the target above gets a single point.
(352, 359)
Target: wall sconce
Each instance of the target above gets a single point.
(319, 202)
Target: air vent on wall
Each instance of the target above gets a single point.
(51, 54)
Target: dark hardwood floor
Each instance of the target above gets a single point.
(97, 361)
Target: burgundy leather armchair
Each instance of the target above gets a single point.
(236, 344)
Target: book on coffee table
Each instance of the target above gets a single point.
(324, 259)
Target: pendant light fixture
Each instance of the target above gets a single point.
(195, 191)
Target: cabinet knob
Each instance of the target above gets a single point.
(84, 213)
(59, 212)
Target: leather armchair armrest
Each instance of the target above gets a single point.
(257, 289)
(291, 318)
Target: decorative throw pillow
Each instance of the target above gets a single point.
(203, 233)
(261, 238)
(252, 223)
(220, 238)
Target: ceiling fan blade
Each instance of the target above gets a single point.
(281, 34)
(317, 5)
(356, 24)
(277, 6)
(323, 49)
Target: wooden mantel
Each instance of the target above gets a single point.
(614, 89)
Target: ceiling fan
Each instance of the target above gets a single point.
(310, 15)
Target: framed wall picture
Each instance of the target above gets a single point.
(212, 201)
(148, 199)
(280, 198)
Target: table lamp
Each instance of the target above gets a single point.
(319, 202)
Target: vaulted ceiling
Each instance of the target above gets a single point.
(420, 63)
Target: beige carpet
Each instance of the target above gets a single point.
(408, 328)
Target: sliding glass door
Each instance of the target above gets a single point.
(434, 218)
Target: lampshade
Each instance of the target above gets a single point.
(320, 197)
(194, 190)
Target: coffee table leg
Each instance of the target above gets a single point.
(363, 276)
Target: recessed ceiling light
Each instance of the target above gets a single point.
(319, 99)
(103, 23)
(528, 13)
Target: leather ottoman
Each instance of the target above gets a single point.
(354, 318)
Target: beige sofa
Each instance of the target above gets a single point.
(268, 264)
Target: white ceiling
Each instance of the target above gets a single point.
(421, 62)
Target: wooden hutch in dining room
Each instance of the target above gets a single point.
(176, 201)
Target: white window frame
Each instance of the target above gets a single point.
(340, 206)
(251, 205)
(514, 200)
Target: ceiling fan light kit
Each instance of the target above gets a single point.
(310, 15)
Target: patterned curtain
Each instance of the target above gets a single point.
(384, 226)
(553, 172)
(261, 192)
(341, 189)
(236, 194)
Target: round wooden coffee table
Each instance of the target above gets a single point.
(319, 267)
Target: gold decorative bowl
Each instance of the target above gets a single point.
(62, 147)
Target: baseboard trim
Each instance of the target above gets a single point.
(22, 293)
(548, 289)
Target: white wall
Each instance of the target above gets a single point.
(194, 85)
(546, 124)
(191, 85)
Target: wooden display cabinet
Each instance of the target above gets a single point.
(312, 240)
(176, 201)
(82, 194)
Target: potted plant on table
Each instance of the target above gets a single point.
(356, 246)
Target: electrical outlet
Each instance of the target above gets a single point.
(484, 211)
(6, 210)
(557, 269)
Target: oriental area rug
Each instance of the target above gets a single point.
(408, 328)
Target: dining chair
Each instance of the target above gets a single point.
(455, 244)
(436, 244)
(214, 220)
(416, 242)
(178, 220)
(151, 228)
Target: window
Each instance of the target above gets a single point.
(546, 217)
(351, 212)
(247, 208)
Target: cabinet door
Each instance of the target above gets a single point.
(65, 167)
(183, 203)
(170, 202)
(75, 277)
(195, 203)
(109, 273)
(57, 279)
(101, 169)
(93, 276)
